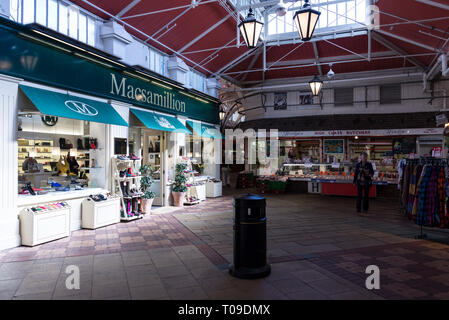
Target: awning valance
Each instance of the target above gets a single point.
(73, 107)
(205, 130)
(158, 121)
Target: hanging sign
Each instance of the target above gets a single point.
(65, 67)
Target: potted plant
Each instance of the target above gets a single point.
(145, 184)
(179, 186)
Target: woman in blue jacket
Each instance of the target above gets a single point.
(363, 179)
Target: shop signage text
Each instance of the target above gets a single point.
(164, 100)
(58, 66)
(352, 133)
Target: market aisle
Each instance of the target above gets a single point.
(318, 248)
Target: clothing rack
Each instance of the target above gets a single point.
(423, 161)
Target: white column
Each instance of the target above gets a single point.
(178, 70)
(114, 131)
(115, 39)
(9, 222)
(213, 87)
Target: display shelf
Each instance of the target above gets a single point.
(128, 204)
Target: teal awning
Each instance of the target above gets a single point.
(205, 130)
(157, 121)
(73, 107)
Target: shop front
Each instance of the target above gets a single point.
(72, 122)
(323, 162)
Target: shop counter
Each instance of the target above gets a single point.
(343, 189)
(338, 187)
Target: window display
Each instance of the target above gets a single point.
(59, 157)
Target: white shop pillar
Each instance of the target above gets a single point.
(9, 222)
(115, 38)
(178, 70)
(213, 87)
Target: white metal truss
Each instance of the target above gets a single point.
(333, 60)
(434, 3)
(168, 9)
(317, 59)
(378, 38)
(127, 8)
(146, 35)
(416, 43)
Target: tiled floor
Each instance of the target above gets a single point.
(318, 248)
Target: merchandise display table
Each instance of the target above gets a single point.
(27, 200)
(213, 189)
(101, 213)
(74, 198)
(50, 223)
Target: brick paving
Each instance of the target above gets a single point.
(318, 247)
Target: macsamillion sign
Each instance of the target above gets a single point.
(120, 87)
(31, 56)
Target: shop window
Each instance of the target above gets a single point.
(390, 94)
(41, 12)
(73, 22)
(82, 28)
(53, 14)
(343, 97)
(343, 14)
(28, 11)
(56, 15)
(91, 32)
(63, 19)
(197, 81)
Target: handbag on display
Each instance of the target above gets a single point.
(87, 143)
(63, 166)
(80, 144)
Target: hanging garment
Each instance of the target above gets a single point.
(414, 179)
(418, 210)
(439, 212)
(430, 194)
(405, 185)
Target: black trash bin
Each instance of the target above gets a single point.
(250, 238)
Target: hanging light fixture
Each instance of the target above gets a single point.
(250, 29)
(222, 115)
(315, 85)
(306, 19)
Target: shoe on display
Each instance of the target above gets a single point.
(102, 197)
(134, 157)
(30, 189)
(78, 187)
(62, 188)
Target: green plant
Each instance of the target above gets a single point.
(180, 178)
(146, 181)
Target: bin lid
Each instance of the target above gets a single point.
(250, 196)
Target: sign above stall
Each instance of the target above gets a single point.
(32, 56)
(359, 133)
